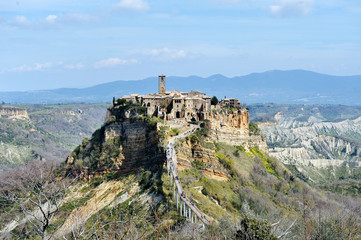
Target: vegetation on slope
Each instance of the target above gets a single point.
(260, 200)
(51, 132)
(319, 143)
(260, 188)
(116, 153)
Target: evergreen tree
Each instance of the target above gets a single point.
(214, 100)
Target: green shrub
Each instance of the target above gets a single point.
(205, 192)
(146, 180)
(240, 148)
(174, 132)
(197, 164)
(141, 110)
(120, 101)
(96, 182)
(214, 100)
(194, 138)
(253, 229)
(254, 129)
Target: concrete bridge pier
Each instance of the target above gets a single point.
(173, 189)
(184, 209)
(177, 199)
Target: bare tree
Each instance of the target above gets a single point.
(36, 193)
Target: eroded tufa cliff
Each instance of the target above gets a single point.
(232, 127)
(228, 119)
(127, 142)
(13, 113)
(194, 152)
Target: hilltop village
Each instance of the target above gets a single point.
(137, 124)
(193, 106)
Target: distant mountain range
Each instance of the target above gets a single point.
(294, 86)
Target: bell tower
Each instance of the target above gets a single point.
(161, 82)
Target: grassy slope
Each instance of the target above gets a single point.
(261, 187)
(255, 181)
(107, 207)
(141, 205)
(52, 131)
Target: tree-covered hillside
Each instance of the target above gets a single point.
(50, 133)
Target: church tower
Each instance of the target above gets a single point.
(161, 79)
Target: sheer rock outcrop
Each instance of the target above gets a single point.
(190, 151)
(127, 142)
(14, 113)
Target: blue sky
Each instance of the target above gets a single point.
(63, 43)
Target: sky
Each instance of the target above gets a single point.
(63, 43)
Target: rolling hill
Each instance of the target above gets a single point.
(295, 86)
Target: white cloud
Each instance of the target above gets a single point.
(291, 8)
(78, 66)
(302, 100)
(44, 67)
(34, 67)
(133, 5)
(51, 18)
(167, 54)
(111, 62)
(53, 21)
(21, 20)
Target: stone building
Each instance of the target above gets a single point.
(230, 102)
(161, 86)
(168, 105)
(192, 106)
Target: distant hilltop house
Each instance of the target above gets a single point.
(192, 106)
(230, 102)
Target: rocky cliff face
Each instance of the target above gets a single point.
(226, 119)
(191, 153)
(129, 141)
(315, 142)
(139, 142)
(126, 142)
(235, 139)
(314, 139)
(11, 112)
(232, 127)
